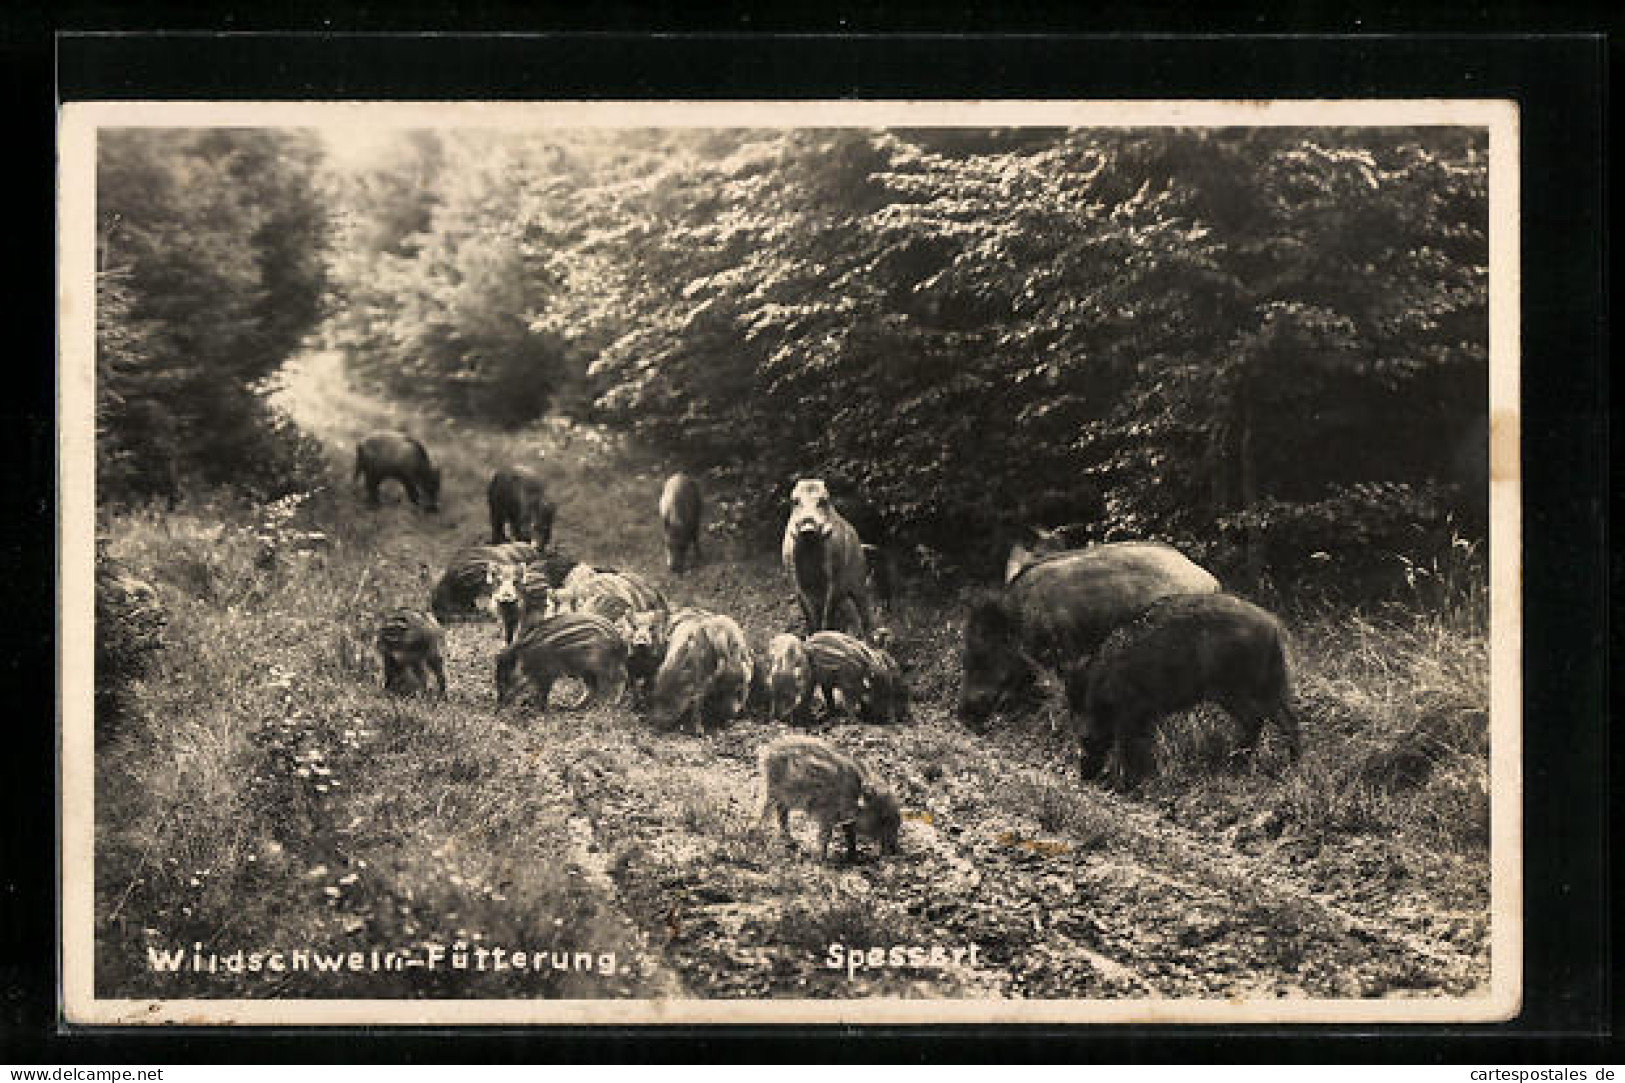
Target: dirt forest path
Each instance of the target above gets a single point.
(1064, 890)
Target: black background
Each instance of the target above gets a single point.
(1558, 82)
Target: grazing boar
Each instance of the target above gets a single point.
(706, 674)
(825, 558)
(817, 778)
(396, 455)
(1058, 610)
(567, 645)
(472, 575)
(680, 519)
(410, 640)
(518, 503)
(645, 635)
(1180, 652)
(608, 593)
(789, 680)
(867, 680)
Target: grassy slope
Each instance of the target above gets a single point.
(272, 796)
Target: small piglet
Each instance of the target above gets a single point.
(706, 673)
(645, 635)
(410, 641)
(814, 776)
(789, 679)
(567, 645)
(867, 679)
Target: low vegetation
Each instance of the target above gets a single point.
(263, 792)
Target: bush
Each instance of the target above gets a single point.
(130, 622)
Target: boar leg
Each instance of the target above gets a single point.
(784, 826)
(825, 829)
(437, 665)
(807, 612)
(411, 490)
(861, 604)
(372, 482)
(1132, 744)
(850, 829)
(498, 533)
(391, 672)
(1091, 756)
(1287, 720)
(1249, 718)
(612, 687)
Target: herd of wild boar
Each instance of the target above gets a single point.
(1133, 630)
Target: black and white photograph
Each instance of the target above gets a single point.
(799, 562)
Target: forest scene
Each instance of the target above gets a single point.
(379, 406)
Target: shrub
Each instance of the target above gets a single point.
(130, 622)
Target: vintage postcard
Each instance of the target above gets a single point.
(801, 562)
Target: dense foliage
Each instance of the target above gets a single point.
(209, 272)
(1266, 344)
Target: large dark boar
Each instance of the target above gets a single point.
(1180, 652)
(396, 455)
(825, 558)
(568, 645)
(472, 575)
(410, 641)
(868, 680)
(814, 776)
(680, 519)
(1058, 610)
(706, 674)
(518, 504)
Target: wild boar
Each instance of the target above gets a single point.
(410, 641)
(568, 645)
(824, 557)
(518, 504)
(1043, 542)
(813, 776)
(471, 576)
(862, 679)
(706, 674)
(1057, 611)
(680, 520)
(890, 701)
(521, 595)
(609, 593)
(645, 635)
(789, 680)
(1180, 652)
(396, 455)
